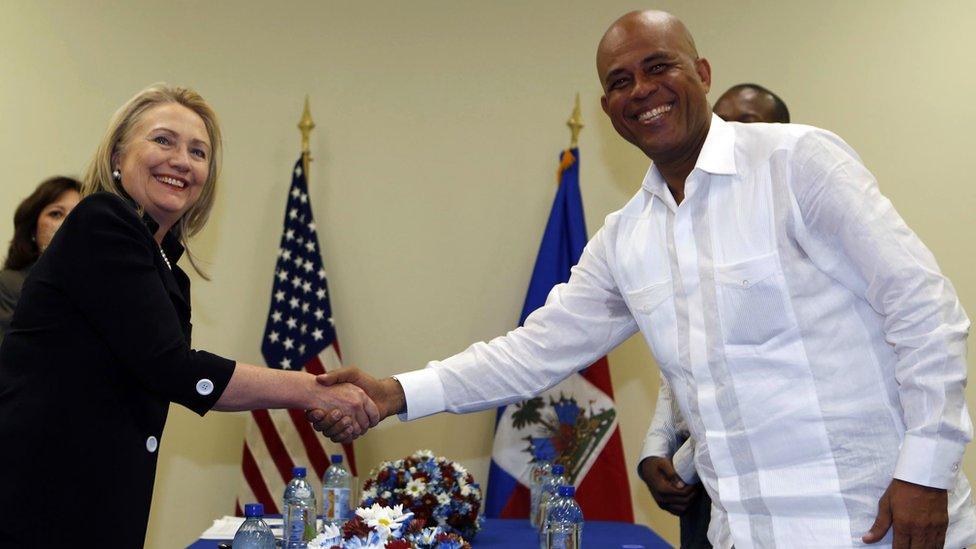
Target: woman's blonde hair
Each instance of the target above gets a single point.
(117, 136)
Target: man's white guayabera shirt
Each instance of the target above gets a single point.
(807, 334)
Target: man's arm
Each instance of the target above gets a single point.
(655, 466)
(581, 321)
(854, 235)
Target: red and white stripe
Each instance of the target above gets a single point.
(277, 440)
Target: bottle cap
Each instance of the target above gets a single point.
(567, 491)
(253, 510)
(298, 472)
(336, 458)
(558, 469)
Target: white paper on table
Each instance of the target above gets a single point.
(226, 527)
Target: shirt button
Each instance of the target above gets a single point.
(205, 387)
(955, 467)
(152, 444)
(745, 283)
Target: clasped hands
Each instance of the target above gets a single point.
(355, 402)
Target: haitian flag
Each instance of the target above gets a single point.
(575, 422)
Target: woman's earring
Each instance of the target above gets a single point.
(116, 175)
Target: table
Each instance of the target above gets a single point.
(519, 534)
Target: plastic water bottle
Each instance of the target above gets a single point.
(563, 527)
(541, 470)
(336, 492)
(254, 533)
(549, 492)
(299, 511)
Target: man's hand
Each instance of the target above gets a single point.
(919, 514)
(667, 488)
(353, 411)
(386, 394)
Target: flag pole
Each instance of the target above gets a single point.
(575, 124)
(306, 125)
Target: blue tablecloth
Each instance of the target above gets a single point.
(519, 534)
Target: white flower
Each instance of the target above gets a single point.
(443, 499)
(429, 535)
(413, 470)
(331, 535)
(386, 494)
(466, 490)
(384, 520)
(424, 454)
(416, 488)
(459, 469)
(370, 493)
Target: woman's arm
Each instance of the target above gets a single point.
(256, 387)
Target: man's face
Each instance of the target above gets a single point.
(654, 87)
(745, 105)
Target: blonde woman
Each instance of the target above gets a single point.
(100, 342)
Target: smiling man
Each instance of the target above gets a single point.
(793, 292)
(806, 333)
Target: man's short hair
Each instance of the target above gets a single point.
(780, 112)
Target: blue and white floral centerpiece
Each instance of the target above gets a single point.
(435, 490)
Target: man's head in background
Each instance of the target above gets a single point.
(751, 103)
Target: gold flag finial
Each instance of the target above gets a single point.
(306, 125)
(575, 124)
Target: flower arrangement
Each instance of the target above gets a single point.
(436, 490)
(379, 527)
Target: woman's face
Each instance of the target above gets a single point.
(166, 162)
(52, 216)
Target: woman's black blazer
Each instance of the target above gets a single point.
(98, 347)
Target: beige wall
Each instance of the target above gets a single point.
(438, 127)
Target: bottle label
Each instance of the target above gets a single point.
(297, 527)
(335, 503)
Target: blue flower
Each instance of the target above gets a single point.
(370, 542)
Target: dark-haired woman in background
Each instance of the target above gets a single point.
(36, 220)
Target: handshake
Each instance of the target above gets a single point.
(349, 402)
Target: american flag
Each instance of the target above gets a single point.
(299, 333)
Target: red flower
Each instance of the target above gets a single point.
(398, 544)
(355, 528)
(416, 526)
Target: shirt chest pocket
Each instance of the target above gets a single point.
(753, 302)
(653, 309)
